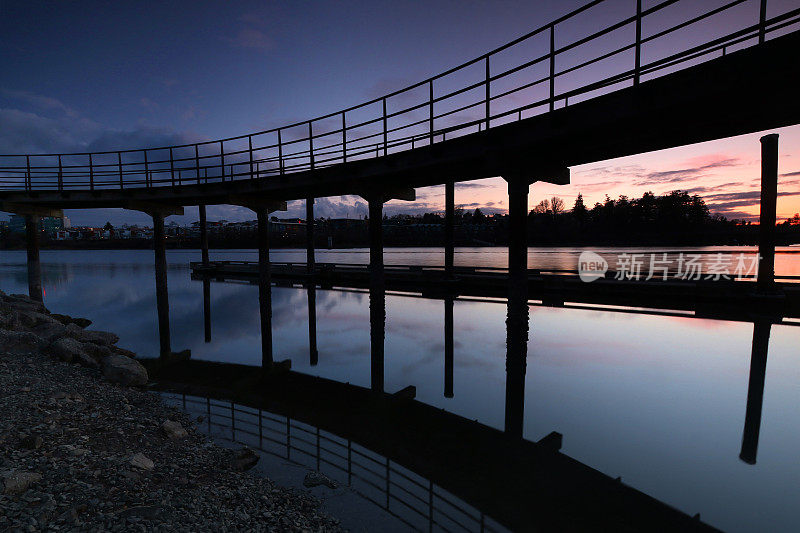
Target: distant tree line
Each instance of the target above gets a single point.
(676, 218)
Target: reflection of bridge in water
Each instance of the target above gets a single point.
(304, 396)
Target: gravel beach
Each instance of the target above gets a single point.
(82, 450)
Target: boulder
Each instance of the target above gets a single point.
(9, 319)
(173, 429)
(30, 319)
(315, 479)
(23, 302)
(66, 319)
(50, 331)
(122, 351)
(104, 338)
(21, 342)
(244, 459)
(97, 351)
(66, 349)
(19, 482)
(124, 370)
(84, 359)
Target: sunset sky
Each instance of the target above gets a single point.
(98, 75)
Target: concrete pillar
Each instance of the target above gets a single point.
(207, 309)
(377, 296)
(517, 313)
(162, 295)
(264, 290)
(449, 229)
(203, 235)
(33, 235)
(769, 197)
(310, 234)
(755, 391)
(448, 347)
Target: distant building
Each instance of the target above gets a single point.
(48, 224)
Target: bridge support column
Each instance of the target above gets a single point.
(263, 208)
(206, 281)
(33, 234)
(377, 294)
(310, 234)
(162, 294)
(766, 224)
(375, 198)
(755, 391)
(264, 290)
(517, 311)
(448, 347)
(449, 229)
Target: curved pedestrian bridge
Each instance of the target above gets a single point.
(659, 76)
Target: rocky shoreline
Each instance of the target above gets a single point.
(83, 447)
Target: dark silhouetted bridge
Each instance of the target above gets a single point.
(674, 73)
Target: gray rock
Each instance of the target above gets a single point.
(173, 430)
(96, 351)
(124, 370)
(315, 479)
(31, 442)
(85, 335)
(244, 459)
(84, 359)
(19, 482)
(20, 342)
(66, 319)
(66, 349)
(122, 351)
(9, 319)
(141, 461)
(49, 331)
(24, 302)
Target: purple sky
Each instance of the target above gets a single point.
(109, 75)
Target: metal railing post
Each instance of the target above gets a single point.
(146, 170)
(430, 111)
(552, 66)
(250, 148)
(488, 93)
(222, 160)
(60, 175)
(119, 167)
(385, 128)
(310, 146)
(762, 22)
(28, 173)
(197, 162)
(171, 167)
(638, 59)
(344, 139)
(280, 153)
(91, 173)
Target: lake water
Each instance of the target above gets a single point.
(657, 400)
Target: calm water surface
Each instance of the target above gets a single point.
(657, 400)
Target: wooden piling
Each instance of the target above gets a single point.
(377, 297)
(769, 197)
(264, 290)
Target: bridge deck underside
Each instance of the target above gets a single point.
(743, 92)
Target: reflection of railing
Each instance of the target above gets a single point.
(471, 97)
(374, 477)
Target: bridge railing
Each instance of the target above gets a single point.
(542, 71)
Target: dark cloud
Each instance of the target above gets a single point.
(684, 174)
